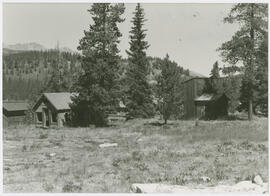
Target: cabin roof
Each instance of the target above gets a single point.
(60, 101)
(15, 106)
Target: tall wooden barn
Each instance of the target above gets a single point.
(52, 109)
(14, 112)
(198, 104)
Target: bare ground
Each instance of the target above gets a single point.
(70, 160)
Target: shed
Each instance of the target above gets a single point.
(52, 109)
(195, 100)
(14, 112)
(213, 105)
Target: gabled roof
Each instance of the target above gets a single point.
(60, 101)
(15, 106)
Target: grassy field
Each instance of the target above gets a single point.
(70, 160)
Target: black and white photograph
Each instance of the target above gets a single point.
(141, 97)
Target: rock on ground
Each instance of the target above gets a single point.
(258, 180)
(105, 145)
(241, 187)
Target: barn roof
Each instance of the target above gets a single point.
(60, 101)
(15, 106)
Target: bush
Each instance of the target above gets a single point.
(70, 187)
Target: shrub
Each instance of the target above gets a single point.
(70, 187)
(48, 187)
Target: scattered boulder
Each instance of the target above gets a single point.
(52, 154)
(257, 180)
(105, 145)
(241, 187)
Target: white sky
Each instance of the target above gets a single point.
(189, 33)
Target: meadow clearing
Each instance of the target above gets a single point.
(70, 159)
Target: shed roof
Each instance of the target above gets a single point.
(15, 106)
(204, 97)
(60, 101)
(208, 97)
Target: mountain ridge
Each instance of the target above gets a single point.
(32, 46)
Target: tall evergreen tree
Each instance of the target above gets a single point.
(139, 99)
(59, 76)
(215, 71)
(244, 44)
(96, 86)
(168, 88)
(262, 76)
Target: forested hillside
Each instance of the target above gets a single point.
(26, 73)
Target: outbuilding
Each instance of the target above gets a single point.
(52, 109)
(14, 112)
(198, 104)
(213, 106)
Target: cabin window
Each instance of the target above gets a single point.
(54, 117)
(39, 116)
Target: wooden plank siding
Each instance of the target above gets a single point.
(192, 89)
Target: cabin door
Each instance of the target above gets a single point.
(45, 117)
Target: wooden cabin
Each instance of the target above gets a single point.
(52, 109)
(14, 112)
(197, 103)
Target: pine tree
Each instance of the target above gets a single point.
(58, 79)
(97, 85)
(139, 99)
(168, 88)
(244, 44)
(262, 76)
(215, 71)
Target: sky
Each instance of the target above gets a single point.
(189, 33)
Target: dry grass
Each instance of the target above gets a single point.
(69, 160)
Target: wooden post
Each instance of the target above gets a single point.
(59, 123)
(50, 117)
(43, 117)
(197, 122)
(35, 118)
(250, 111)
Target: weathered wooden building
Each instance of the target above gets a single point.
(212, 106)
(197, 103)
(14, 112)
(52, 109)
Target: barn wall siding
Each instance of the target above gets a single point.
(192, 89)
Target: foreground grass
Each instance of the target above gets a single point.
(70, 160)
